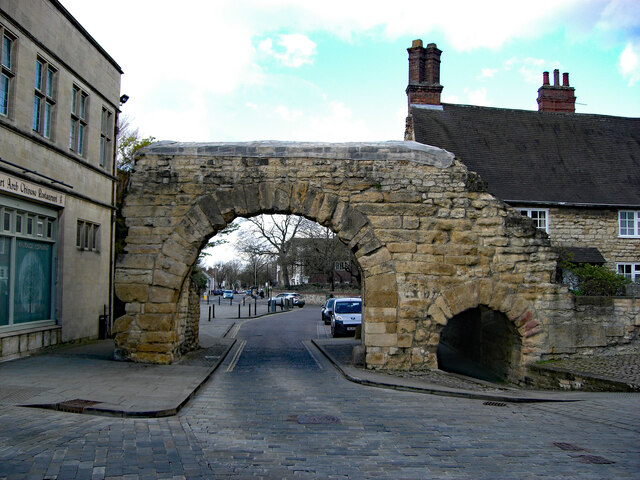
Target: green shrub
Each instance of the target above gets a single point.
(597, 280)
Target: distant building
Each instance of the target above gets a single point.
(322, 261)
(59, 102)
(577, 176)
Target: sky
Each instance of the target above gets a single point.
(336, 70)
(243, 70)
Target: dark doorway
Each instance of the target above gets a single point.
(480, 343)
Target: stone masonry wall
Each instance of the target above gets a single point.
(599, 325)
(582, 227)
(188, 317)
(430, 241)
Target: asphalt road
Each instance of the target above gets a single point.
(277, 409)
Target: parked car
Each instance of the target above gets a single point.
(346, 316)
(297, 300)
(327, 308)
(227, 294)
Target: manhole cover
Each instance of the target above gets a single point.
(308, 419)
(495, 404)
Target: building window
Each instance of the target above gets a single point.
(105, 137)
(87, 236)
(78, 126)
(27, 270)
(7, 72)
(342, 266)
(630, 270)
(629, 223)
(43, 100)
(540, 217)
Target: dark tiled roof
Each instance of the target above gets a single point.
(582, 255)
(530, 156)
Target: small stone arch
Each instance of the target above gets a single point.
(486, 297)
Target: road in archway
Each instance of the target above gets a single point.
(277, 408)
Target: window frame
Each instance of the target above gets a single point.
(634, 270)
(87, 236)
(79, 122)
(528, 212)
(342, 265)
(44, 101)
(106, 129)
(7, 70)
(635, 224)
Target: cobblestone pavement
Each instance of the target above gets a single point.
(625, 368)
(285, 413)
(277, 409)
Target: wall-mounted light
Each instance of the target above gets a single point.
(123, 99)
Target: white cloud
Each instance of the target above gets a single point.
(288, 114)
(478, 97)
(488, 72)
(293, 50)
(629, 62)
(531, 69)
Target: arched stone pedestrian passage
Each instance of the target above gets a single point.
(429, 240)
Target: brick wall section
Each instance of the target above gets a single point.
(430, 245)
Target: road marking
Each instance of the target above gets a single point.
(235, 358)
(315, 359)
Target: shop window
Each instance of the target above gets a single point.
(27, 252)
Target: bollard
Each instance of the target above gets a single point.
(218, 299)
(210, 312)
(214, 311)
(239, 311)
(243, 300)
(231, 301)
(255, 307)
(249, 310)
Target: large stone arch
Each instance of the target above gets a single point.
(428, 237)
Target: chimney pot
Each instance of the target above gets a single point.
(424, 74)
(556, 97)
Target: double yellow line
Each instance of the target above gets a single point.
(235, 358)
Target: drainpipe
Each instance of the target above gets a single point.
(114, 184)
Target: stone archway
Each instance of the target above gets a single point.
(421, 226)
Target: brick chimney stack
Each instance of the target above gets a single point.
(424, 74)
(556, 97)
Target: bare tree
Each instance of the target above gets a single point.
(268, 236)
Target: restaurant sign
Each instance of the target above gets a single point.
(30, 190)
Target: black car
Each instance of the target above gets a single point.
(327, 308)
